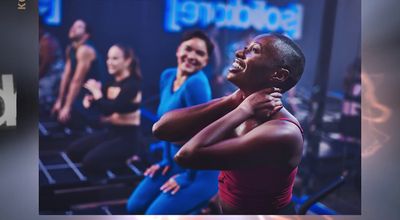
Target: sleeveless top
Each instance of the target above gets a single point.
(96, 71)
(263, 189)
(121, 101)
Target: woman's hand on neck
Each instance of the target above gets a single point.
(179, 79)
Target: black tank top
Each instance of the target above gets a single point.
(96, 71)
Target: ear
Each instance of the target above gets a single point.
(128, 62)
(281, 75)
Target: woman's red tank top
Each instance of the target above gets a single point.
(260, 189)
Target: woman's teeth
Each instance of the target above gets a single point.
(237, 66)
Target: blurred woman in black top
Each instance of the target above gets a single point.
(119, 102)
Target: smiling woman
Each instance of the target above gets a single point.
(119, 103)
(167, 187)
(249, 136)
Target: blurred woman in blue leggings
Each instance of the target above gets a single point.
(168, 188)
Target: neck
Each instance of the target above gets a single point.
(179, 79)
(248, 92)
(253, 89)
(80, 41)
(180, 73)
(123, 75)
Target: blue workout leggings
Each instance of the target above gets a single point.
(148, 199)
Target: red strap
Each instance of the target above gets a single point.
(290, 120)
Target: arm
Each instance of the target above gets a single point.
(164, 164)
(87, 101)
(182, 124)
(85, 56)
(123, 103)
(65, 76)
(271, 142)
(64, 82)
(177, 182)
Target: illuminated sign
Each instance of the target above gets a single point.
(8, 102)
(51, 11)
(235, 14)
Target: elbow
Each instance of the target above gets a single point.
(160, 131)
(184, 158)
(157, 130)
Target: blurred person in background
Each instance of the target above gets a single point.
(50, 68)
(119, 102)
(82, 63)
